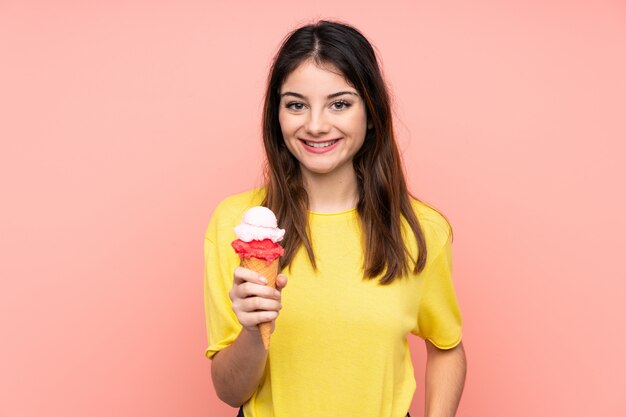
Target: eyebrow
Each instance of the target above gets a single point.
(333, 95)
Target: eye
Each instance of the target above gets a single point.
(340, 105)
(295, 105)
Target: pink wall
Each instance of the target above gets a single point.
(121, 125)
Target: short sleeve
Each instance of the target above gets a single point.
(439, 316)
(221, 322)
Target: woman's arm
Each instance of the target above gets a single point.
(237, 369)
(445, 378)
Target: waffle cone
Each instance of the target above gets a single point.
(269, 271)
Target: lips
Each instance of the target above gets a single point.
(319, 146)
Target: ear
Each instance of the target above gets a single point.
(370, 125)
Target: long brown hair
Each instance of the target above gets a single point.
(384, 199)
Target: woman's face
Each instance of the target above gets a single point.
(323, 119)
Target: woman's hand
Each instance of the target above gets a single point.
(253, 301)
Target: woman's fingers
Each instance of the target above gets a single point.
(281, 281)
(259, 304)
(248, 283)
(252, 320)
(247, 275)
(249, 289)
(252, 300)
(254, 310)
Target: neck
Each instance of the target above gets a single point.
(331, 193)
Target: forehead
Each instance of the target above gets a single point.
(313, 78)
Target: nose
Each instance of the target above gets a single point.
(317, 123)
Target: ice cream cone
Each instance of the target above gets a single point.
(269, 271)
(257, 245)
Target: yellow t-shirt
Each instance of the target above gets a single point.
(340, 345)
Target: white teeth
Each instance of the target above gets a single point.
(320, 144)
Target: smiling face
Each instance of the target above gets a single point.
(323, 120)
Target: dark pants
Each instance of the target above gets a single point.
(240, 414)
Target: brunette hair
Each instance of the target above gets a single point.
(384, 199)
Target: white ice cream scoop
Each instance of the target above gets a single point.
(259, 223)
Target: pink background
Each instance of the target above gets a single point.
(122, 124)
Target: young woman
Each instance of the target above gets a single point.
(367, 263)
